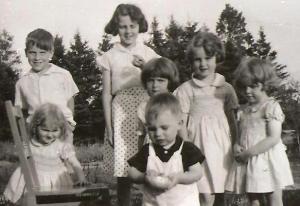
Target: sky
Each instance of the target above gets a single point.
(279, 18)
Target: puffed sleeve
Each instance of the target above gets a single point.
(67, 151)
(231, 100)
(273, 111)
(184, 99)
(103, 61)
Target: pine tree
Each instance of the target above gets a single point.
(105, 44)
(238, 42)
(157, 41)
(81, 61)
(59, 52)
(9, 60)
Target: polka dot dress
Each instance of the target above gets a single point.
(125, 124)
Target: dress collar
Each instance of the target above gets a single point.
(218, 81)
(253, 109)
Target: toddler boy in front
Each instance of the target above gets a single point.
(168, 167)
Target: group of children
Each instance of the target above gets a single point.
(179, 141)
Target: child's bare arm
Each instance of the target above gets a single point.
(106, 101)
(81, 180)
(136, 176)
(193, 174)
(183, 133)
(273, 137)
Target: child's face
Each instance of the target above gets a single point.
(48, 133)
(128, 31)
(38, 58)
(254, 93)
(164, 128)
(203, 65)
(156, 85)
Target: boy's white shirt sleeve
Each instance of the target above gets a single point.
(71, 87)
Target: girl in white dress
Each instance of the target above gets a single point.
(208, 103)
(261, 166)
(48, 130)
(123, 92)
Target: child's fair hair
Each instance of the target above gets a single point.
(162, 102)
(50, 113)
(41, 39)
(130, 10)
(211, 44)
(253, 70)
(161, 67)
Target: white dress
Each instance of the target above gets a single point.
(208, 127)
(267, 171)
(50, 168)
(128, 94)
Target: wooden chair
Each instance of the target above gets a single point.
(45, 196)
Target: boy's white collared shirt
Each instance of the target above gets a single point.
(54, 86)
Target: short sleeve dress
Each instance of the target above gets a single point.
(208, 128)
(128, 94)
(50, 168)
(267, 171)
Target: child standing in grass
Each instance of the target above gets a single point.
(259, 149)
(123, 91)
(158, 75)
(48, 131)
(45, 82)
(208, 103)
(168, 167)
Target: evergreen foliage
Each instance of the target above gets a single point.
(9, 60)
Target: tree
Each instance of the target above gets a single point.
(81, 62)
(105, 45)
(9, 59)
(238, 42)
(59, 52)
(157, 40)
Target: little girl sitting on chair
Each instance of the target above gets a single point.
(50, 152)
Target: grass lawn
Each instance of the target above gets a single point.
(91, 156)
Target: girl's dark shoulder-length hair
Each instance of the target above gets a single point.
(161, 67)
(211, 44)
(135, 14)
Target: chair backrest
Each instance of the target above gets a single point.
(19, 132)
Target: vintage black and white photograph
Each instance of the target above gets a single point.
(149, 102)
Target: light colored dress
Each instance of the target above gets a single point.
(208, 127)
(179, 195)
(128, 94)
(50, 168)
(267, 171)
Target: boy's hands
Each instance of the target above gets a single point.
(138, 61)
(157, 182)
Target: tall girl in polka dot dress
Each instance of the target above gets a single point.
(123, 91)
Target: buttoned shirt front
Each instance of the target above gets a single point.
(55, 86)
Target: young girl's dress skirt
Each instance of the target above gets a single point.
(125, 124)
(51, 171)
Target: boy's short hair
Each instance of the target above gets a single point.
(135, 14)
(41, 39)
(253, 70)
(211, 44)
(162, 102)
(161, 67)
